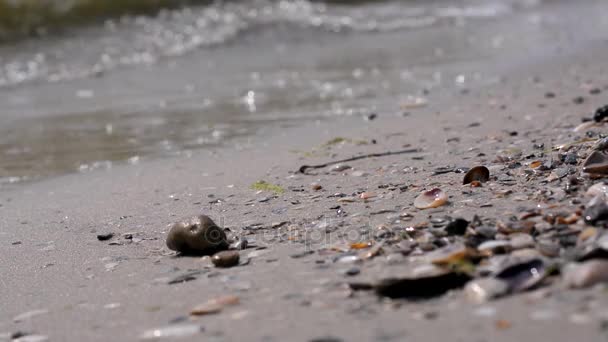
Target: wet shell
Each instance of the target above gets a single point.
(199, 235)
(596, 162)
(524, 276)
(478, 173)
(431, 199)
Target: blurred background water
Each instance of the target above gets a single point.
(88, 83)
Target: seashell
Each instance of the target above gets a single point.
(431, 199)
(589, 273)
(198, 235)
(225, 259)
(585, 126)
(214, 305)
(478, 173)
(596, 162)
(367, 195)
(523, 276)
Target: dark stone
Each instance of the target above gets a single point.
(326, 339)
(571, 159)
(226, 259)
(457, 226)
(423, 287)
(105, 236)
(600, 113)
(197, 236)
(578, 100)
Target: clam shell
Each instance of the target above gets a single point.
(523, 276)
(431, 199)
(478, 173)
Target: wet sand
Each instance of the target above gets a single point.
(92, 290)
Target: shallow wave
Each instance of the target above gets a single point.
(134, 40)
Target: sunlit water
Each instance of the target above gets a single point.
(147, 87)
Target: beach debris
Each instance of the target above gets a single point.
(485, 289)
(105, 236)
(596, 163)
(214, 305)
(241, 244)
(262, 185)
(436, 282)
(586, 274)
(225, 259)
(479, 174)
(316, 187)
(367, 195)
(198, 235)
(523, 276)
(600, 114)
(304, 168)
(431, 199)
(172, 331)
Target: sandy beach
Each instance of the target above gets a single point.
(299, 280)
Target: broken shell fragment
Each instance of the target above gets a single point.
(197, 235)
(431, 199)
(480, 174)
(596, 162)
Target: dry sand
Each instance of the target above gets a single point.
(92, 290)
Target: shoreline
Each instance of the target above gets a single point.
(89, 290)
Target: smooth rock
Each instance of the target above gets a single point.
(198, 235)
(586, 274)
(226, 259)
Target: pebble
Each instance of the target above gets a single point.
(521, 241)
(353, 271)
(359, 174)
(586, 274)
(105, 236)
(226, 259)
(197, 235)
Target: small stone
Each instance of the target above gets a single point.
(105, 236)
(586, 274)
(225, 259)
(353, 271)
(495, 246)
(600, 114)
(359, 174)
(198, 235)
(316, 187)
